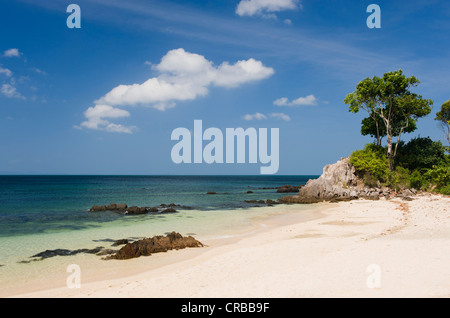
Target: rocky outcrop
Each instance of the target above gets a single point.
(338, 182)
(135, 210)
(268, 202)
(288, 189)
(156, 244)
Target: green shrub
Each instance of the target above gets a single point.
(439, 176)
(371, 163)
(398, 179)
(420, 153)
(445, 190)
(417, 181)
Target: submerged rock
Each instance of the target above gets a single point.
(156, 244)
(120, 242)
(135, 210)
(169, 210)
(64, 252)
(98, 208)
(288, 188)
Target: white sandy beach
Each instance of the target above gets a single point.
(329, 256)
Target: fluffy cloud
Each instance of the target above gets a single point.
(263, 7)
(96, 119)
(259, 116)
(280, 116)
(10, 91)
(5, 71)
(309, 100)
(12, 53)
(256, 116)
(183, 76)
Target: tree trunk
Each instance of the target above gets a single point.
(378, 134)
(390, 154)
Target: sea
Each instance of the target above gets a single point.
(42, 213)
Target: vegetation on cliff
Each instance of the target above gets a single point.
(421, 163)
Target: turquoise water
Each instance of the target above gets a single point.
(49, 204)
(39, 213)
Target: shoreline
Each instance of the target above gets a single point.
(326, 256)
(54, 269)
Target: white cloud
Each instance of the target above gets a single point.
(10, 91)
(96, 119)
(281, 116)
(185, 76)
(38, 71)
(309, 100)
(256, 116)
(12, 53)
(262, 7)
(5, 71)
(259, 116)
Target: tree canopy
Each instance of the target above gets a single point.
(390, 105)
(443, 116)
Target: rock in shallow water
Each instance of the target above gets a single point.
(156, 244)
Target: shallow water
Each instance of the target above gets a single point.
(48, 213)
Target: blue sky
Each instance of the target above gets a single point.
(104, 99)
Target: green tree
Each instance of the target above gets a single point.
(377, 130)
(421, 154)
(389, 99)
(443, 116)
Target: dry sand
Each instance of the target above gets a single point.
(361, 248)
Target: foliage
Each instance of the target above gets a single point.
(422, 165)
(389, 99)
(445, 190)
(439, 175)
(417, 181)
(443, 116)
(420, 153)
(375, 127)
(398, 179)
(444, 113)
(370, 163)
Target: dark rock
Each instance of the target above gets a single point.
(98, 208)
(169, 210)
(121, 207)
(63, 252)
(288, 189)
(153, 209)
(106, 252)
(211, 192)
(120, 242)
(249, 191)
(156, 244)
(112, 207)
(135, 210)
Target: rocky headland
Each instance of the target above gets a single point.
(339, 182)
